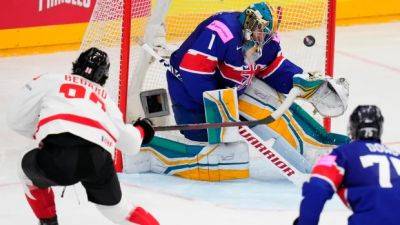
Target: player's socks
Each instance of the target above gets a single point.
(51, 221)
(142, 217)
(41, 202)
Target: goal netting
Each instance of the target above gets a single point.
(117, 25)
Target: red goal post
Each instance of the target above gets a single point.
(117, 25)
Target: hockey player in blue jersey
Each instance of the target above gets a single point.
(364, 173)
(229, 49)
(232, 65)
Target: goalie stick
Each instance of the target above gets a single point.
(293, 94)
(253, 140)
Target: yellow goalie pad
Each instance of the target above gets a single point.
(221, 106)
(224, 161)
(295, 130)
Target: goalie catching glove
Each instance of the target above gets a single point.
(308, 83)
(329, 96)
(145, 125)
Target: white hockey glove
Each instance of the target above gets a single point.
(329, 96)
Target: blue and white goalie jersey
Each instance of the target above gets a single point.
(211, 58)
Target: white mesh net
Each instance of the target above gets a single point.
(167, 23)
(164, 24)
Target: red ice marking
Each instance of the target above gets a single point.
(393, 143)
(368, 61)
(9, 184)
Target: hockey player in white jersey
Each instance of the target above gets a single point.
(76, 124)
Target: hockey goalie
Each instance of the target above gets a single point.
(232, 68)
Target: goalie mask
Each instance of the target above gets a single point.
(259, 25)
(330, 100)
(93, 64)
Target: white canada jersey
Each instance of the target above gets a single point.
(57, 103)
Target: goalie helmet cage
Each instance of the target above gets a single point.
(116, 26)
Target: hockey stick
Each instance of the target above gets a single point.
(253, 140)
(266, 149)
(293, 94)
(150, 50)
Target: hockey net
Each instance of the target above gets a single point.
(116, 26)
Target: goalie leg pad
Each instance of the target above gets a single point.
(221, 106)
(283, 148)
(295, 130)
(225, 161)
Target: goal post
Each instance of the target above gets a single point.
(116, 26)
(330, 48)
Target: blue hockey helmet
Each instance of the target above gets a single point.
(259, 17)
(366, 122)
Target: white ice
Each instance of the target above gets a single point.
(368, 56)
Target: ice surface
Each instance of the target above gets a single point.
(366, 55)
